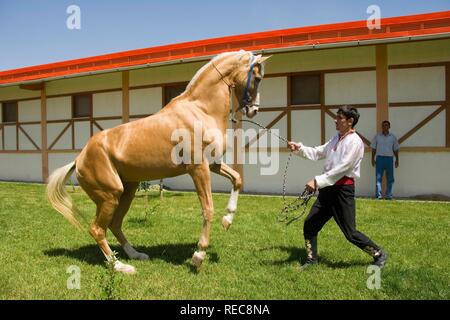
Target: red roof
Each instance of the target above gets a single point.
(414, 25)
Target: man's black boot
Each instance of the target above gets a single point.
(379, 256)
(311, 253)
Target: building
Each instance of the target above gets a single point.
(400, 72)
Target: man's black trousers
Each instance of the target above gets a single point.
(336, 201)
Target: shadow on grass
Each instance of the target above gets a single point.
(298, 255)
(176, 254)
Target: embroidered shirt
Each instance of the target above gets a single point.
(343, 158)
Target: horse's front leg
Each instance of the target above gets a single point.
(236, 180)
(202, 180)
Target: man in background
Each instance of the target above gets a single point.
(384, 146)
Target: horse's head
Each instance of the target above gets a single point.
(247, 77)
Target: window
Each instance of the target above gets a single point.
(305, 89)
(9, 112)
(171, 92)
(82, 106)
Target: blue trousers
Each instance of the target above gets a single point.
(384, 164)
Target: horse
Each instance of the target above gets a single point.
(114, 161)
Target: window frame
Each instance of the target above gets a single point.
(320, 89)
(165, 91)
(74, 106)
(16, 107)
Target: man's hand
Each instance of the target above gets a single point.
(396, 163)
(293, 146)
(373, 162)
(311, 186)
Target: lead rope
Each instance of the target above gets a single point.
(301, 202)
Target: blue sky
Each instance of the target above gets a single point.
(34, 32)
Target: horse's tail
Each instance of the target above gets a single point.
(58, 196)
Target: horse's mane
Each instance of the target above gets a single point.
(206, 66)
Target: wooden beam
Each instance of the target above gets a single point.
(44, 150)
(322, 108)
(447, 104)
(289, 112)
(382, 85)
(421, 124)
(32, 86)
(125, 96)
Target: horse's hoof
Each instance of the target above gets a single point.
(124, 268)
(198, 257)
(226, 223)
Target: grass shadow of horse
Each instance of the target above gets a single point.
(176, 254)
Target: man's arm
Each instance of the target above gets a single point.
(396, 158)
(395, 148)
(373, 145)
(374, 152)
(311, 153)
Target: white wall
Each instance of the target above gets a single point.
(416, 84)
(59, 108)
(29, 110)
(34, 131)
(145, 101)
(10, 137)
(273, 92)
(107, 104)
(21, 167)
(350, 87)
(53, 130)
(403, 119)
(306, 127)
(422, 174)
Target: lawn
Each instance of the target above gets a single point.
(257, 258)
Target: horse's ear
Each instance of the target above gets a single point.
(262, 59)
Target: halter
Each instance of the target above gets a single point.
(301, 202)
(245, 97)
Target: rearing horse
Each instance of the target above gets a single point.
(114, 161)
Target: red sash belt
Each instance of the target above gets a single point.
(345, 181)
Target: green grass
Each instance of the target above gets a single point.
(256, 259)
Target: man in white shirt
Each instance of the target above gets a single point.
(343, 154)
(384, 147)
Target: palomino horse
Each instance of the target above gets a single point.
(113, 161)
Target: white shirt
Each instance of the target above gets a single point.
(385, 145)
(343, 158)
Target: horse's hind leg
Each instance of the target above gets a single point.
(202, 180)
(104, 187)
(116, 223)
(236, 180)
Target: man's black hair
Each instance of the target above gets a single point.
(350, 112)
(385, 121)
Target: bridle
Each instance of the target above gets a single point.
(301, 202)
(246, 102)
